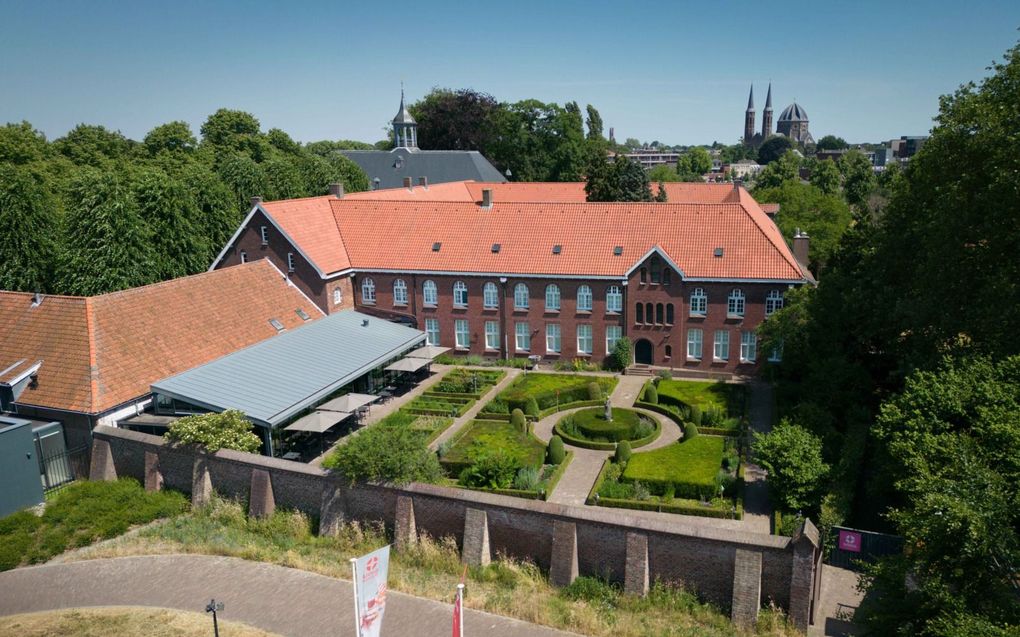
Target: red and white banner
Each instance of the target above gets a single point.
(370, 591)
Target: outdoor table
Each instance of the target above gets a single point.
(291, 455)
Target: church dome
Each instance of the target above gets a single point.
(793, 113)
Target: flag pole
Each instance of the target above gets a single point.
(354, 584)
(460, 609)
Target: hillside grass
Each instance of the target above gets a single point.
(121, 621)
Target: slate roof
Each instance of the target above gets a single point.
(390, 167)
(398, 234)
(523, 191)
(276, 379)
(103, 351)
(793, 113)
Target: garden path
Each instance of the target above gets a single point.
(757, 509)
(282, 600)
(469, 415)
(582, 472)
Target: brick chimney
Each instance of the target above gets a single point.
(407, 183)
(423, 182)
(255, 201)
(486, 197)
(801, 242)
(337, 190)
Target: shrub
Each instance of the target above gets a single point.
(527, 479)
(792, 455)
(620, 357)
(444, 447)
(643, 429)
(495, 470)
(386, 454)
(518, 420)
(690, 431)
(651, 394)
(696, 415)
(713, 417)
(664, 374)
(641, 492)
(599, 593)
(555, 452)
(594, 391)
(227, 430)
(724, 482)
(616, 490)
(622, 454)
(531, 407)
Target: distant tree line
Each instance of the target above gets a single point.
(94, 211)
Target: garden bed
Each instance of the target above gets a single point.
(548, 393)
(689, 468)
(480, 438)
(551, 475)
(589, 429)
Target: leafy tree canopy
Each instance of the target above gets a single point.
(693, 164)
(826, 177)
(394, 454)
(172, 137)
(831, 142)
(663, 172)
(825, 217)
(793, 458)
(226, 430)
(787, 169)
(22, 144)
(858, 177)
(773, 148)
(28, 226)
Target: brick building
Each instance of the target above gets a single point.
(507, 270)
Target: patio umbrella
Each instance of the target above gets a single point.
(428, 351)
(409, 364)
(318, 422)
(347, 403)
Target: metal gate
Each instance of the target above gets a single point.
(855, 547)
(61, 468)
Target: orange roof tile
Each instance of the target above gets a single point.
(103, 351)
(394, 230)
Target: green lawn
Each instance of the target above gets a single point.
(690, 466)
(482, 437)
(467, 381)
(548, 390)
(703, 394)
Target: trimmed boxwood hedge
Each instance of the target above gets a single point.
(551, 482)
(689, 467)
(608, 446)
(672, 415)
(548, 390)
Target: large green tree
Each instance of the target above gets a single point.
(831, 142)
(107, 245)
(459, 119)
(777, 173)
(172, 137)
(793, 458)
(692, 165)
(21, 144)
(28, 226)
(620, 180)
(858, 177)
(88, 145)
(773, 148)
(826, 177)
(169, 209)
(824, 217)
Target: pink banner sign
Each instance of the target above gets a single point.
(850, 541)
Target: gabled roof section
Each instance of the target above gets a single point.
(390, 167)
(103, 351)
(655, 250)
(309, 225)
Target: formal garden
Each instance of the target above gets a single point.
(715, 407)
(455, 393)
(591, 429)
(539, 395)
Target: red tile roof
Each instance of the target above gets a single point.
(391, 230)
(100, 352)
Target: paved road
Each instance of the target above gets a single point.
(277, 599)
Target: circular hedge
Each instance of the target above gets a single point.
(588, 428)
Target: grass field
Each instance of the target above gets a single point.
(121, 621)
(689, 465)
(548, 390)
(432, 570)
(481, 437)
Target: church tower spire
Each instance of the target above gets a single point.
(749, 118)
(405, 129)
(766, 116)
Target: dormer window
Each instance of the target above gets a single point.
(264, 234)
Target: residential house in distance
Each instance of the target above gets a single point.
(514, 270)
(84, 361)
(406, 164)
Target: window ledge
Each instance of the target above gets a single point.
(400, 305)
(367, 302)
(548, 311)
(584, 355)
(461, 348)
(585, 312)
(612, 313)
(490, 308)
(521, 309)
(691, 359)
(696, 316)
(548, 353)
(429, 306)
(734, 317)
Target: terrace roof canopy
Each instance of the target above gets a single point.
(276, 379)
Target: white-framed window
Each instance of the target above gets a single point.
(699, 302)
(584, 339)
(290, 262)
(460, 294)
(613, 334)
(368, 291)
(492, 335)
(338, 296)
(520, 296)
(748, 347)
(695, 343)
(430, 293)
(244, 257)
(552, 298)
(614, 299)
(462, 334)
(773, 302)
(522, 337)
(264, 234)
(776, 355)
(722, 346)
(735, 303)
(432, 331)
(552, 338)
(584, 298)
(399, 292)
(490, 295)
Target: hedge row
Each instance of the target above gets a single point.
(693, 508)
(608, 446)
(708, 431)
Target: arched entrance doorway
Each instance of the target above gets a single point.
(643, 352)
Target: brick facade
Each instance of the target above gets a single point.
(564, 540)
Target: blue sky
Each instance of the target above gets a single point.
(671, 71)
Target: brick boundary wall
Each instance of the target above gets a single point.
(565, 541)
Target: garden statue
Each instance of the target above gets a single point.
(609, 411)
